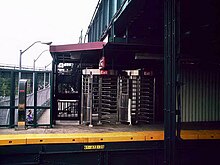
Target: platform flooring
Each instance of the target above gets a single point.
(73, 132)
(76, 128)
(65, 128)
(77, 133)
(71, 127)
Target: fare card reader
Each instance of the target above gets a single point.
(22, 91)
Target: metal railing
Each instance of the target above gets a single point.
(43, 101)
(38, 101)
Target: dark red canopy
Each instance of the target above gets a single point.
(77, 47)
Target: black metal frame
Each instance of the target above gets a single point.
(171, 50)
(56, 95)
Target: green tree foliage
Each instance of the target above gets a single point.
(4, 86)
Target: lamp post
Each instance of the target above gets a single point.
(38, 58)
(48, 75)
(22, 52)
(34, 66)
(21, 111)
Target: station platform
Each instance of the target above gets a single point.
(103, 133)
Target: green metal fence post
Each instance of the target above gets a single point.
(35, 98)
(12, 100)
(52, 94)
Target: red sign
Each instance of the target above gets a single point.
(148, 73)
(102, 63)
(103, 72)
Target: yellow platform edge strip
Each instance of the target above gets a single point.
(25, 139)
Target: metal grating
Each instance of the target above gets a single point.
(200, 95)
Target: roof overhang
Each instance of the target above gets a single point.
(92, 52)
(77, 47)
(76, 52)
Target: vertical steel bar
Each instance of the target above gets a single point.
(35, 99)
(108, 12)
(137, 98)
(49, 78)
(99, 23)
(12, 100)
(104, 14)
(129, 98)
(165, 82)
(45, 80)
(118, 99)
(100, 100)
(82, 97)
(52, 93)
(87, 100)
(169, 81)
(113, 32)
(55, 101)
(90, 96)
(178, 72)
(173, 80)
(154, 99)
(111, 8)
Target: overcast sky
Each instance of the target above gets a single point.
(26, 21)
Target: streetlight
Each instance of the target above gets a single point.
(34, 66)
(48, 75)
(48, 65)
(22, 52)
(38, 58)
(21, 112)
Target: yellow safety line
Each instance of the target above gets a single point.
(23, 139)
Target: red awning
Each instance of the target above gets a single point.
(77, 47)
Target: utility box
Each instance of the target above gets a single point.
(22, 92)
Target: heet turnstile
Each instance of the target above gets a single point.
(125, 98)
(136, 97)
(99, 96)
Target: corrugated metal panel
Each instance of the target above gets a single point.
(200, 95)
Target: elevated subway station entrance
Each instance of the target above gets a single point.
(97, 83)
(137, 34)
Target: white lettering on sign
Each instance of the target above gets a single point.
(103, 72)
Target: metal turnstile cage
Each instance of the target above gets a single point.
(99, 96)
(136, 98)
(112, 98)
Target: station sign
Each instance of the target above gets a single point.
(103, 72)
